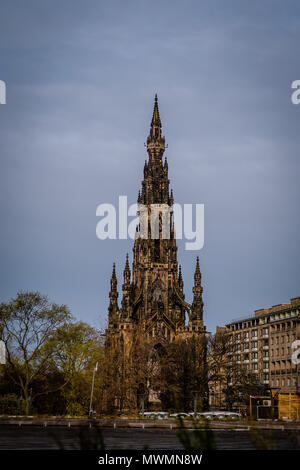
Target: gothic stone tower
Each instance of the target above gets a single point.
(153, 300)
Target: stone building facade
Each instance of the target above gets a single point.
(153, 302)
(264, 343)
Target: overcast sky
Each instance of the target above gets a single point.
(81, 78)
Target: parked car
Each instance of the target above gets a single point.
(180, 415)
(155, 414)
(219, 414)
(147, 414)
(162, 415)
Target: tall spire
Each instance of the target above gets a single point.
(152, 292)
(113, 295)
(127, 271)
(155, 141)
(126, 288)
(156, 118)
(197, 275)
(155, 186)
(113, 281)
(180, 280)
(197, 305)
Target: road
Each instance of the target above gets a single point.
(15, 437)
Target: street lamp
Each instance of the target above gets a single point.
(30, 401)
(21, 399)
(142, 395)
(92, 389)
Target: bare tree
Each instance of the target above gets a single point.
(230, 381)
(185, 374)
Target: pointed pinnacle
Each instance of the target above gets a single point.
(114, 271)
(155, 118)
(197, 275)
(126, 271)
(180, 275)
(113, 281)
(171, 198)
(127, 263)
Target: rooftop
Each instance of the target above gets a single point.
(295, 302)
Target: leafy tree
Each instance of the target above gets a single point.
(78, 348)
(27, 324)
(9, 404)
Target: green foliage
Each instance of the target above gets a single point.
(10, 405)
(50, 358)
(262, 439)
(201, 437)
(75, 409)
(79, 349)
(27, 323)
(90, 438)
(294, 438)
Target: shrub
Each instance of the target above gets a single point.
(10, 405)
